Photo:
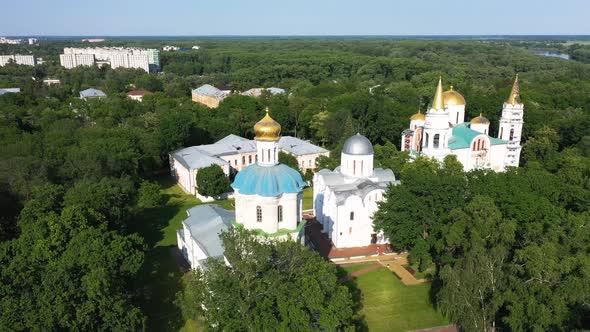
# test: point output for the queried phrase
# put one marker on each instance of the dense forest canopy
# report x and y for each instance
(73, 171)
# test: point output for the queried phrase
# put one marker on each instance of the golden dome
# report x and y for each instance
(480, 120)
(453, 97)
(267, 129)
(418, 117)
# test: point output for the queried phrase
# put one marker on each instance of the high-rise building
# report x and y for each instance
(27, 60)
(114, 56)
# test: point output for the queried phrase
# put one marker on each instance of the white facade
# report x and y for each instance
(442, 132)
(115, 57)
(27, 60)
(345, 199)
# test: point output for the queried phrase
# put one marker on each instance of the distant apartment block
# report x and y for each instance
(209, 95)
(16, 41)
(113, 56)
(75, 60)
(27, 60)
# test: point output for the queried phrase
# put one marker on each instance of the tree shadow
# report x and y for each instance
(160, 276)
(359, 321)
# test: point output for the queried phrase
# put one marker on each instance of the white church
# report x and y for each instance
(346, 198)
(268, 200)
(442, 131)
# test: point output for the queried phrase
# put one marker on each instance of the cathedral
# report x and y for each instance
(268, 200)
(346, 198)
(443, 131)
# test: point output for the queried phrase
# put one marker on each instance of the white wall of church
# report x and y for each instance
(247, 215)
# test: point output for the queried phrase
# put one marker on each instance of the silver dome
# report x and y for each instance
(358, 145)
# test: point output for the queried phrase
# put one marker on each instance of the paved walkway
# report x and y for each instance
(393, 263)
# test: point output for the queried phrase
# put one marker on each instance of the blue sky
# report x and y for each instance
(295, 17)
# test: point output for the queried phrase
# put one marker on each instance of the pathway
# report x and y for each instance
(394, 264)
(359, 272)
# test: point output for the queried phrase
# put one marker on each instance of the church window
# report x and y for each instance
(235, 162)
(457, 120)
(309, 163)
(351, 215)
(349, 230)
(262, 155)
(268, 155)
(501, 132)
(474, 146)
(427, 140)
(256, 158)
(511, 134)
(280, 213)
(354, 167)
(361, 167)
(243, 160)
(258, 214)
(250, 159)
(435, 141)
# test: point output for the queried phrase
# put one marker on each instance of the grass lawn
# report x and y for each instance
(308, 198)
(160, 276)
(389, 305)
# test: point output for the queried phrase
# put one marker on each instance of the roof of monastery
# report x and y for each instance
(345, 186)
(268, 181)
(256, 92)
(358, 145)
(205, 223)
(463, 136)
(9, 90)
(92, 93)
(209, 90)
(206, 155)
(298, 146)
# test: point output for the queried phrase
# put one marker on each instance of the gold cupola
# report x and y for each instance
(418, 117)
(480, 120)
(514, 97)
(452, 97)
(267, 129)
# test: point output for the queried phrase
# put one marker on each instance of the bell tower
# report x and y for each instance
(511, 125)
(437, 128)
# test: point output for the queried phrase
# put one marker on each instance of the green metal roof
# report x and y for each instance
(463, 136)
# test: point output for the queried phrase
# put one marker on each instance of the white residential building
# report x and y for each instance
(27, 60)
(114, 56)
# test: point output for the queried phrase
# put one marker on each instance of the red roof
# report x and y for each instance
(138, 92)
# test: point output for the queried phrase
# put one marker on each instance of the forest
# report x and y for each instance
(74, 172)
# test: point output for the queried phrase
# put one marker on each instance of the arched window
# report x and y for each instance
(511, 134)
(280, 213)
(262, 155)
(352, 215)
(502, 133)
(361, 167)
(243, 160)
(268, 154)
(249, 159)
(258, 214)
(427, 141)
(473, 148)
(354, 167)
(256, 158)
(457, 120)
(436, 140)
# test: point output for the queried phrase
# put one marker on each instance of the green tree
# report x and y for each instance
(289, 160)
(295, 288)
(211, 181)
(150, 195)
